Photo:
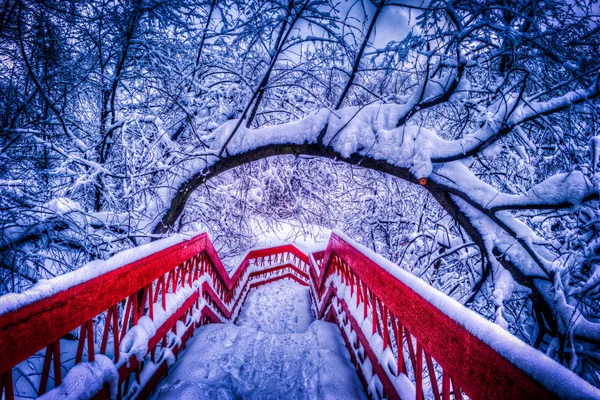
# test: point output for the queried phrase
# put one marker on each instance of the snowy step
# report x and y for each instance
(276, 350)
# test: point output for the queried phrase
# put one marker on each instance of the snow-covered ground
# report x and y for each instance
(276, 351)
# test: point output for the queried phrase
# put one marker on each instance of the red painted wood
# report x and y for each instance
(67, 310)
(227, 313)
(76, 306)
(445, 386)
(52, 354)
(419, 372)
(477, 368)
(378, 368)
(265, 271)
(432, 377)
(7, 386)
(161, 332)
(284, 276)
(401, 367)
(472, 364)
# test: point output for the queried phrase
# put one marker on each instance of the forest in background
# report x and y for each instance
(457, 138)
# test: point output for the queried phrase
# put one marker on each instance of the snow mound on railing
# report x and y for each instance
(48, 287)
(536, 364)
(86, 379)
(136, 341)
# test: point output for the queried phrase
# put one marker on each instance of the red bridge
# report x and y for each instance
(396, 328)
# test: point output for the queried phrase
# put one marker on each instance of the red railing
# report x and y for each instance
(405, 345)
(399, 335)
(176, 289)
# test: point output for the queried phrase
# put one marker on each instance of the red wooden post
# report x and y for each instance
(148, 295)
(411, 349)
(457, 391)
(184, 269)
(91, 341)
(125, 325)
(135, 309)
(445, 385)
(52, 352)
(7, 385)
(432, 376)
(419, 372)
(86, 332)
(366, 300)
(397, 328)
(105, 331)
(386, 332)
(374, 319)
(80, 343)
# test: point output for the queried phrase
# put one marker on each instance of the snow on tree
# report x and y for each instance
(462, 144)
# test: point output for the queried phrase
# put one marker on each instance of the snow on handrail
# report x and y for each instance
(144, 302)
(408, 340)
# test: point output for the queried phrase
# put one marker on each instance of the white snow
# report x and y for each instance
(135, 341)
(47, 287)
(61, 206)
(536, 364)
(275, 351)
(307, 238)
(86, 379)
(262, 311)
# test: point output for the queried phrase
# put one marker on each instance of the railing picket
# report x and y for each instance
(386, 332)
(176, 272)
(125, 323)
(135, 309)
(411, 349)
(359, 295)
(148, 296)
(45, 370)
(52, 353)
(156, 289)
(419, 372)
(456, 390)
(81, 343)
(86, 331)
(374, 318)
(220, 297)
(397, 328)
(445, 385)
(366, 300)
(107, 323)
(432, 375)
(91, 341)
(183, 268)
(7, 385)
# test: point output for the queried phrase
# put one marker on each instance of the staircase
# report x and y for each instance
(134, 315)
(276, 350)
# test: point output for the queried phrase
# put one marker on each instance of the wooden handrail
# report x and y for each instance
(143, 283)
(401, 308)
(59, 314)
(380, 309)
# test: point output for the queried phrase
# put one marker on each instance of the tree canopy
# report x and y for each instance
(455, 137)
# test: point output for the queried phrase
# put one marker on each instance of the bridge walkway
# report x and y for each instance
(275, 350)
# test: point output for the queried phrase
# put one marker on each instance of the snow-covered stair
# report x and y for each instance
(275, 351)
